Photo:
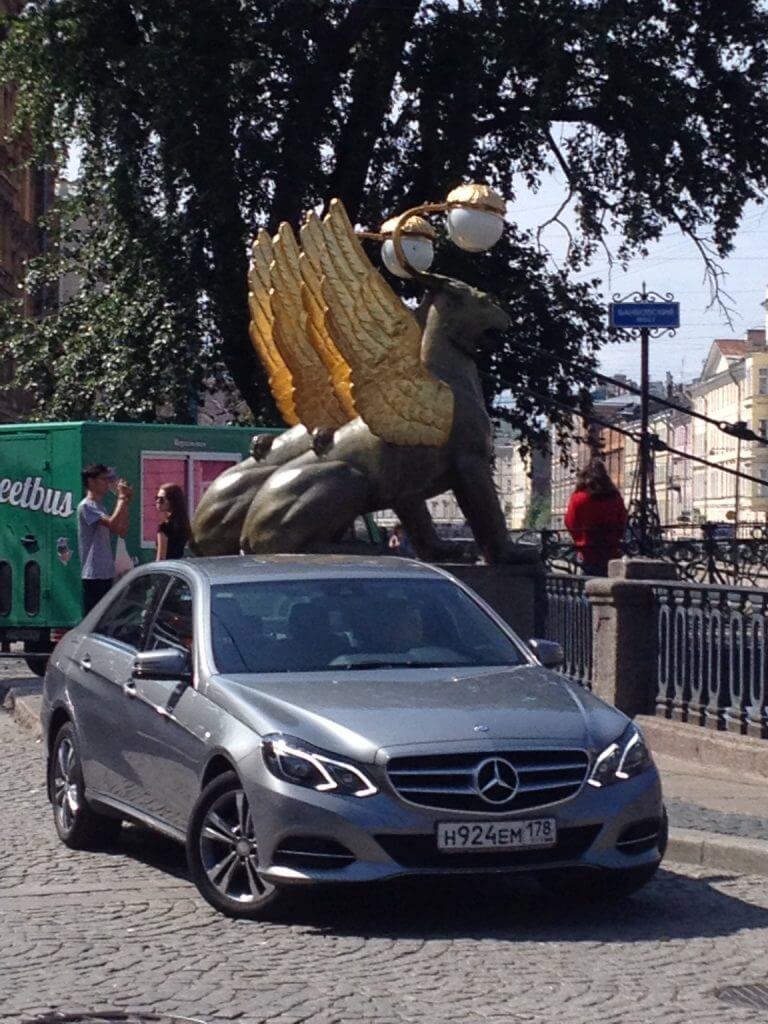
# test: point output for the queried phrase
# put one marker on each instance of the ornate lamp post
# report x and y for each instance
(474, 222)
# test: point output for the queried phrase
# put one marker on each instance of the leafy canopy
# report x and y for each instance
(199, 120)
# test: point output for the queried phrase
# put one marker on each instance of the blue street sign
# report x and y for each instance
(651, 315)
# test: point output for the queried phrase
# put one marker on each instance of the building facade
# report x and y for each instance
(732, 389)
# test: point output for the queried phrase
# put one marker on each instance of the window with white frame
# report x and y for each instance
(762, 428)
(762, 380)
(762, 489)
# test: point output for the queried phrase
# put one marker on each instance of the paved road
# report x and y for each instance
(125, 929)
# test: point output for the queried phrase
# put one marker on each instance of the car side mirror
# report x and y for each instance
(549, 652)
(164, 663)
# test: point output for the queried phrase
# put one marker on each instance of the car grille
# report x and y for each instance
(421, 851)
(447, 781)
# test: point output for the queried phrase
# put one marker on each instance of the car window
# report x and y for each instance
(129, 616)
(314, 625)
(172, 626)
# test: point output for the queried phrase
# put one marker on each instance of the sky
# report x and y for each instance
(673, 265)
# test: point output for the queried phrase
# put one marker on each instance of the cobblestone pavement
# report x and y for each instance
(683, 814)
(125, 929)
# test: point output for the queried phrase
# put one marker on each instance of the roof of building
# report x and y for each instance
(734, 347)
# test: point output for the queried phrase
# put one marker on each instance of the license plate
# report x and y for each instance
(455, 836)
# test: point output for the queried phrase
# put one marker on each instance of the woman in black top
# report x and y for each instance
(173, 531)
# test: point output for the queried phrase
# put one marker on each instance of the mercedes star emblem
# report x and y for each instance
(496, 780)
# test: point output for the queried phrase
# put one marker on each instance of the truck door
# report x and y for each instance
(28, 507)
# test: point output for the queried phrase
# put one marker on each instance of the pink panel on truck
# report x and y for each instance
(156, 471)
(204, 472)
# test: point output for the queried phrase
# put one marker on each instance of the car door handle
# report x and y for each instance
(129, 689)
(85, 663)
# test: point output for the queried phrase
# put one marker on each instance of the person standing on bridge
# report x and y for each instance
(596, 519)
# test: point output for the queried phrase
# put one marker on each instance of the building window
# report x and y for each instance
(762, 489)
(762, 428)
(762, 380)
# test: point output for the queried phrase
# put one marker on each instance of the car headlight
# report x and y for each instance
(624, 759)
(295, 761)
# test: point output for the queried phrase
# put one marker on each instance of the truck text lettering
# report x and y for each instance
(30, 493)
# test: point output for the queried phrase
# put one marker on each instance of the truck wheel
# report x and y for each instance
(36, 654)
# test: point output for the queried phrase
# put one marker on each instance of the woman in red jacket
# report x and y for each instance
(596, 519)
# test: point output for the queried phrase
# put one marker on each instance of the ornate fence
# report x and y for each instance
(710, 553)
(712, 656)
(569, 622)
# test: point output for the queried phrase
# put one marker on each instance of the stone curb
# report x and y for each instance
(693, 743)
(26, 712)
(713, 850)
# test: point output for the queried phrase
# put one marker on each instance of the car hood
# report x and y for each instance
(360, 713)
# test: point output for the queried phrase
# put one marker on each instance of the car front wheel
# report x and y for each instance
(77, 824)
(222, 853)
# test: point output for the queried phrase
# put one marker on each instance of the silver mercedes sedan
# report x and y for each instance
(299, 720)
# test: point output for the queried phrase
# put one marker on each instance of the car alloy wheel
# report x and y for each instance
(77, 824)
(66, 789)
(222, 851)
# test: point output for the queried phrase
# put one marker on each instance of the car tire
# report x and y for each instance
(595, 885)
(222, 853)
(78, 826)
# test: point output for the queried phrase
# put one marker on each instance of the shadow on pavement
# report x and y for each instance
(672, 906)
(150, 848)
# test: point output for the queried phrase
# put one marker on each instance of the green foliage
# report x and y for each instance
(538, 513)
(199, 120)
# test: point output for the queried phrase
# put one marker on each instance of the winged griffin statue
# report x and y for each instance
(384, 404)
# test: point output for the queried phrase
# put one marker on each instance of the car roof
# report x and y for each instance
(241, 568)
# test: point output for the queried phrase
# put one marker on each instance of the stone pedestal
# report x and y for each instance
(625, 633)
(515, 592)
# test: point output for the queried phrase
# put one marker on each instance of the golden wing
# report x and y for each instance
(316, 401)
(378, 336)
(278, 374)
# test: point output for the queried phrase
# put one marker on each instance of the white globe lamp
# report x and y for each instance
(416, 238)
(475, 219)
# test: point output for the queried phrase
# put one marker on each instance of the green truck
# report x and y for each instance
(40, 487)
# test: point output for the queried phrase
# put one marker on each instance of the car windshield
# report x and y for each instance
(315, 625)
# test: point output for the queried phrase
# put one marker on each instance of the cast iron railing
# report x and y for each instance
(710, 553)
(712, 656)
(569, 622)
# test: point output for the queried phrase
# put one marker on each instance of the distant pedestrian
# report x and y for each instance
(95, 528)
(399, 544)
(174, 532)
(596, 519)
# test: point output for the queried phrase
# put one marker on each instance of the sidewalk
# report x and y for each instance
(718, 811)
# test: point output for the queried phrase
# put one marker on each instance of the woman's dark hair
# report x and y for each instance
(177, 501)
(594, 479)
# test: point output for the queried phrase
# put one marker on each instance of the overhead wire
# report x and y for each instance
(737, 430)
(656, 443)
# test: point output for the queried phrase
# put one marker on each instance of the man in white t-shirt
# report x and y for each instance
(94, 531)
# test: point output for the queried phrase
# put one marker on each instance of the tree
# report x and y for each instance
(200, 119)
